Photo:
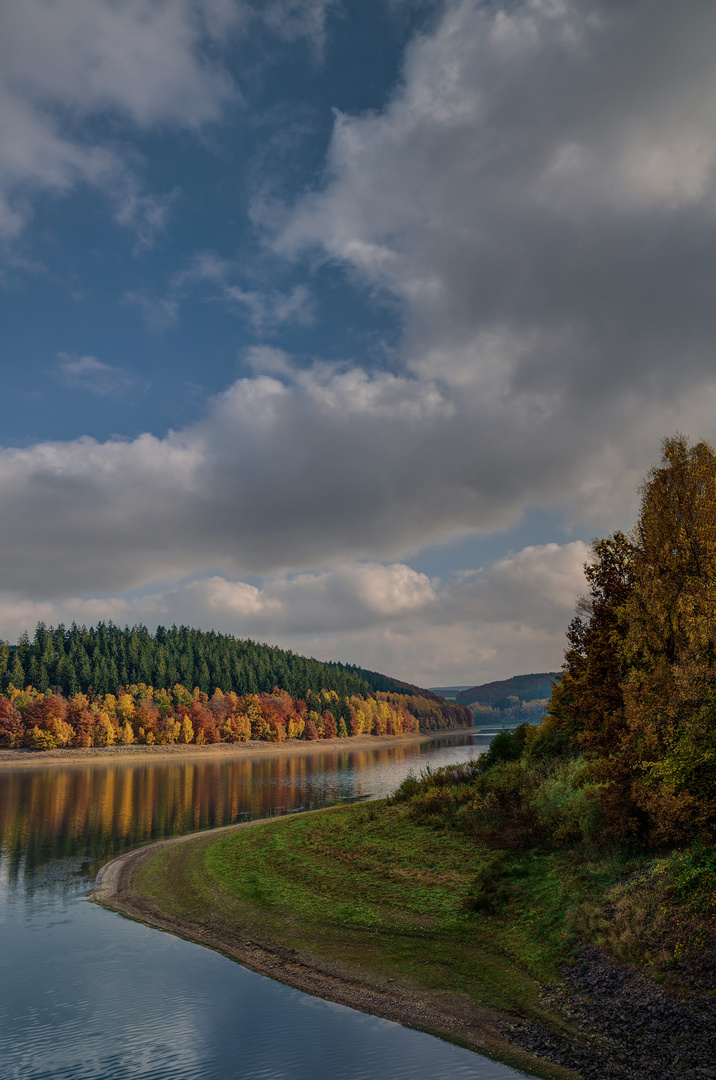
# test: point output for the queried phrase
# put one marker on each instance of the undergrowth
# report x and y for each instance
(654, 908)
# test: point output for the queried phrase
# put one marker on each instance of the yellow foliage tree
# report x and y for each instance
(126, 734)
(105, 733)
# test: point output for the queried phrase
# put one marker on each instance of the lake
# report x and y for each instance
(89, 994)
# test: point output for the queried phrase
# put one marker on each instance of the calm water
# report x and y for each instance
(88, 994)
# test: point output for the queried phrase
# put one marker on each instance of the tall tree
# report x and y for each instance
(670, 639)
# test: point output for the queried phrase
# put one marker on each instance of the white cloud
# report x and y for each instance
(268, 309)
(537, 198)
(292, 19)
(136, 57)
(64, 62)
(142, 63)
(540, 196)
(204, 266)
(89, 373)
(308, 469)
(147, 215)
(388, 618)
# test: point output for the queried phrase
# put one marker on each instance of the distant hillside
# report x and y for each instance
(523, 687)
(449, 692)
(105, 658)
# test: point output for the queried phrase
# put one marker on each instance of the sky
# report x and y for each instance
(346, 324)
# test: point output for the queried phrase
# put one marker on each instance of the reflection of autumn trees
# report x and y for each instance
(98, 811)
(139, 713)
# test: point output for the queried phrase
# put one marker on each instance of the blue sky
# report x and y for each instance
(346, 325)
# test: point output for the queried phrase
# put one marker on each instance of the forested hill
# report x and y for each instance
(524, 687)
(103, 658)
(107, 686)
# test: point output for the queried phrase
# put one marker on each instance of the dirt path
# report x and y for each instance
(454, 1017)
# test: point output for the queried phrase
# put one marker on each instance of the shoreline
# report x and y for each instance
(139, 753)
(455, 1018)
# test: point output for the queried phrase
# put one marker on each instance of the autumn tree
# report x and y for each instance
(638, 691)
(12, 728)
(586, 710)
(670, 641)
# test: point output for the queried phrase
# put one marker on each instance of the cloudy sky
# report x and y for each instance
(346, 324)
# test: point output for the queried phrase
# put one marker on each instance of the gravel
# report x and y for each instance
(630, 1028)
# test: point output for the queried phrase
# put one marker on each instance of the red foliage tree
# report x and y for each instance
(330, 727)
(204, 723)
(148, 718)
(12, 728)
(45, 713)
(82, 722)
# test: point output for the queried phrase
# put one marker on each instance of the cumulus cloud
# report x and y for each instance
(540, 196)
(289, 471)
(539, 205)
(277, 475)
(389, 618)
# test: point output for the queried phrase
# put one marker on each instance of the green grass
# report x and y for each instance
(373, 889)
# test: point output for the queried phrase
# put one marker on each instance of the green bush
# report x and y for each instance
(506, 746)
(564, 803)
(549, 745)
(692, 875)
(490, 887)
(407, 789)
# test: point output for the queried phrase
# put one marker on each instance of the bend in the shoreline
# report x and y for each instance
(451, 1017)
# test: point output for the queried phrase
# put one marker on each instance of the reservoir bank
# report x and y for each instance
(89, 994)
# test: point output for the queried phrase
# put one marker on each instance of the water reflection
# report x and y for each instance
(84, 815)
(88, 995)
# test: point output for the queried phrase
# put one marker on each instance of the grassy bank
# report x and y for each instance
(372, 893)
(369, 887)
(456, 905)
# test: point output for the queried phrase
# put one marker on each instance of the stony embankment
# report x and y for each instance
(633, 1029)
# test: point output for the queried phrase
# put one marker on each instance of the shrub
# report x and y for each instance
(490, 886)
(506, 746)
(409, 787)
(565, 804)
(692, 875)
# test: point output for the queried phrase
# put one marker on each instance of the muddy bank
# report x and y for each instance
(103, 755)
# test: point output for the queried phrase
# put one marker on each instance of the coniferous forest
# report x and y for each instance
(106, 685)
